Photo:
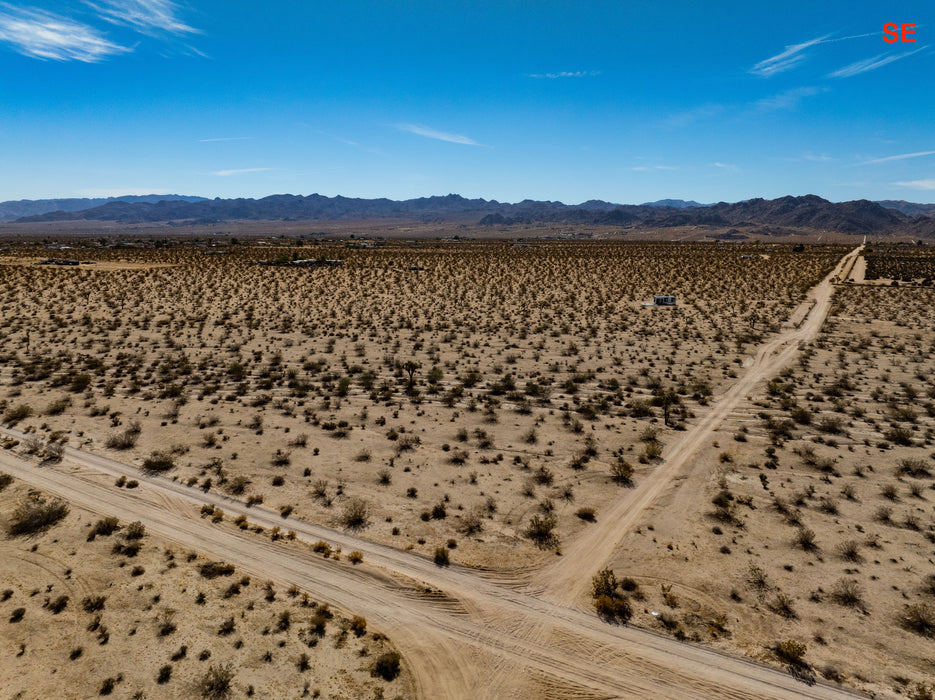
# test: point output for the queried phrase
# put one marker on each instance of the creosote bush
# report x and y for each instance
(159, 462)
(386, 666)
(35, 514)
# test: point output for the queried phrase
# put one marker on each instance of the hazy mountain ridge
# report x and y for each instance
(16, 209)
(809, 211)
(910, 208)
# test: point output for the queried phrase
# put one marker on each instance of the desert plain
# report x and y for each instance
(466, 468)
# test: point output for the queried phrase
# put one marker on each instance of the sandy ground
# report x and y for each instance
(70, 653)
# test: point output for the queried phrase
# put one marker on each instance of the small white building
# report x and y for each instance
(664, 300)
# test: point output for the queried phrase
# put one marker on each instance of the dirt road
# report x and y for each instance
(463, 634)
(569, 577)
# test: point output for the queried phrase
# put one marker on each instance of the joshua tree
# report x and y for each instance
(410, 367)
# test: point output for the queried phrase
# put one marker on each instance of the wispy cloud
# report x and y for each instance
(901, 156)
(727, 167)
(817, 157)
(645, 168)
(145, 16)
(241, 171)
(785, 100)
(917, 184)
(435, 134)
(707, 111)
(226, 138)
(567, 74)
(869, 64)
(788, 59)
(44, 35)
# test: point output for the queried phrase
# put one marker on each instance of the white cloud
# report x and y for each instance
(145, 16)
(226, 138)
(785, 100)
(726, 167)
(241, 171)
(869, 64)
(44, 35)
(434, 134)
(902, 156)
(567, 74)
(917, 184)
(788, 59)
(645, 168)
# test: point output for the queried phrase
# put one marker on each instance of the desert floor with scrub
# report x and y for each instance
(483, 404)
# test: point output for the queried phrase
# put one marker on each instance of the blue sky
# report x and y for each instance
(623, 101)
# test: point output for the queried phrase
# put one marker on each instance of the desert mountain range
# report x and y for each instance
(809, 211)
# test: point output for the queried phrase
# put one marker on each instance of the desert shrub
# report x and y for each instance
(613, 609)
(358, 626)
(790, 651)
(216, 684)
(35, 515)
(386, 666)
(608, 602)
(79, 382)
(915, 467)
(53, 451)
(621, 472)
(604, 583)
(756, 578)
(540, 530)
(850, 551)
(782, 605)
(471, 524)
(103, 527)
(237, 485)
(94, 603)
(899, 435)
(355, 514)
(847, 592)
(58, 407)
(586, 513)
(136, 530)
(213, 569)
(164, 675)
(123, 440)
(57, 605)
(107, 687)
(919, 618)
(17, 614)
(355, 557)
(16, 414)
(227, 627)
(441, 557)
(165, 623)
(805, 538)
(158, 462)
(5, 480)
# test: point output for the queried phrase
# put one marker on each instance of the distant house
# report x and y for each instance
(663, 300)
